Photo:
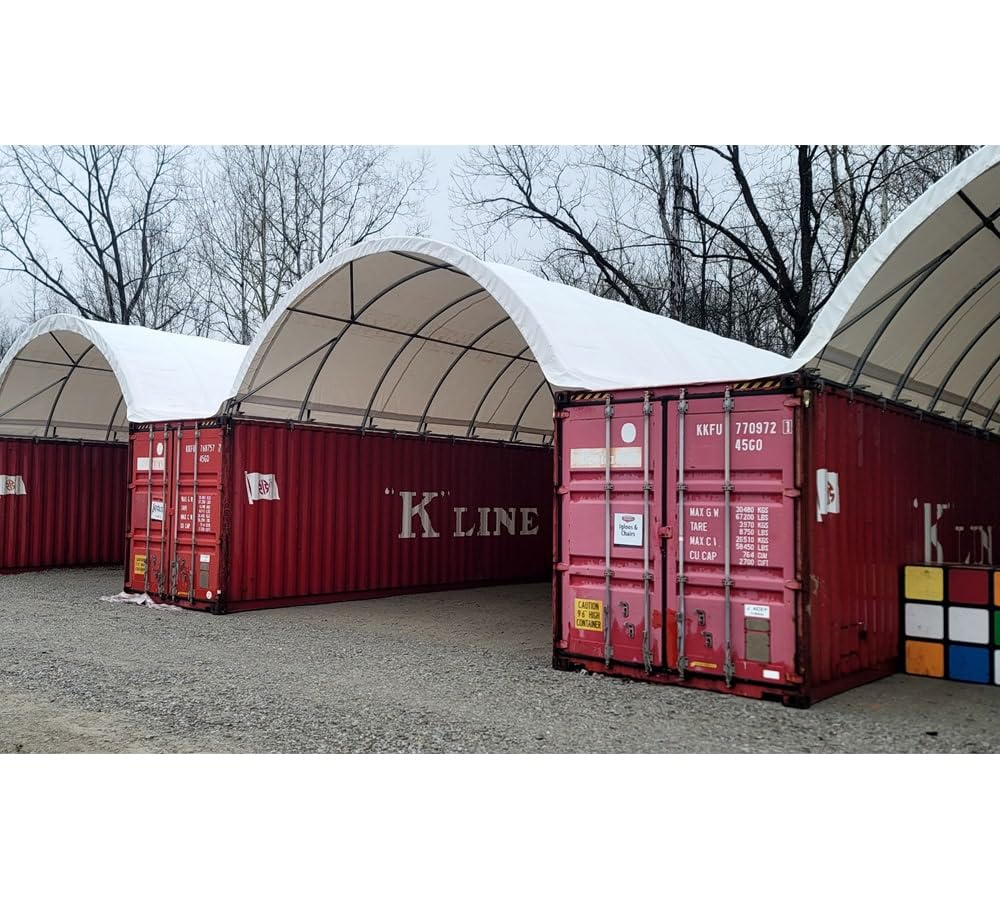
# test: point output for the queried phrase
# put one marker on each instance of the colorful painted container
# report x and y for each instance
(951, 625)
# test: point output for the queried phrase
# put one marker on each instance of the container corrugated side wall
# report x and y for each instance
(895, 490)
(62, 503)
(367, 514)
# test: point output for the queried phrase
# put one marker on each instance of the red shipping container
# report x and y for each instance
(61, 503)
(234, 514)
(751, 540)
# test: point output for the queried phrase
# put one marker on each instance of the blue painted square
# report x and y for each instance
(969, 664)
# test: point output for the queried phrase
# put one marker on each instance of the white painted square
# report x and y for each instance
(996, 666)
(924, 621)
(971, 626)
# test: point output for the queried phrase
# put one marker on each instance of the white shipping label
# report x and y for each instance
(205, 557)
(628, 530)
(772, 674)
(142, 464)
(12, 485)
(595, 457)
(756, 611)
(156, 510)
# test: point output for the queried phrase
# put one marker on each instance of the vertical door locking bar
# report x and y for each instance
(161, 571)
(174, 536)
(149, 511)
(194, 506)
(727, 581)
(609, 411)
(647, 410)
(682, 406)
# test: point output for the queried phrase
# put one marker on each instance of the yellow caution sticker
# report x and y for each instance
(139, 565)
(589, 615)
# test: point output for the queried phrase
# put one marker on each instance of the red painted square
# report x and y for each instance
(971, 586)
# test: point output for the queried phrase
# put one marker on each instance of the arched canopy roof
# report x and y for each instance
(409, 334)
(917, 318)
(72, 378)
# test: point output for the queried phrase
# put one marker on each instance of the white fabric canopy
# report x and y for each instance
(72, 378)
(917, 318)
(410, 334)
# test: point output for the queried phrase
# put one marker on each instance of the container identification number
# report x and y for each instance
(756, 427)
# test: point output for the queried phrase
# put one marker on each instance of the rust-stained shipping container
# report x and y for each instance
(62, 503)
(749, 538)
(233, 514)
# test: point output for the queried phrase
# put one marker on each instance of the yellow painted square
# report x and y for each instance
(996, 588)
(925, 658)
(923, 583)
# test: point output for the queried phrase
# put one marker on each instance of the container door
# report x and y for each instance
(197, 514)
(732, 495)
(610, 561)
(149, 472)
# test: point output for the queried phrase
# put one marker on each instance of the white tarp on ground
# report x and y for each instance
(69, 377)
(917, 318)
(410, 334)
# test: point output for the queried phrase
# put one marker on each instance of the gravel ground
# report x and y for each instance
(464, 671)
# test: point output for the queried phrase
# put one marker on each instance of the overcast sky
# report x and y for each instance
(437, 207)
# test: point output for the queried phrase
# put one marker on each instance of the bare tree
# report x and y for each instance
(749, 242)
(97, 229)
(270, 214)
(8, 334)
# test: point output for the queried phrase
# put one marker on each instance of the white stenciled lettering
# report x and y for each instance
(506, 519)
(529, 520)
(459, 530)
(410, 512)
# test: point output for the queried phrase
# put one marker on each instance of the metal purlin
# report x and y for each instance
(474, 421)
(954, 368)
(727, 581)
(986, 223)
(975, 390)
(330, 345)
(114, 415)
(543, 383)
(415, 336)
(647, 575)
(905, 377)
(930, 264)
(993, 409)
(451, 368)
(682, 406)
(348, 322)
(874, 340)
(62, 388)
(609, 411)
(355, 315)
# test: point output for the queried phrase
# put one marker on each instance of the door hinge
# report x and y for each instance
(791, 492)
(665, 531)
